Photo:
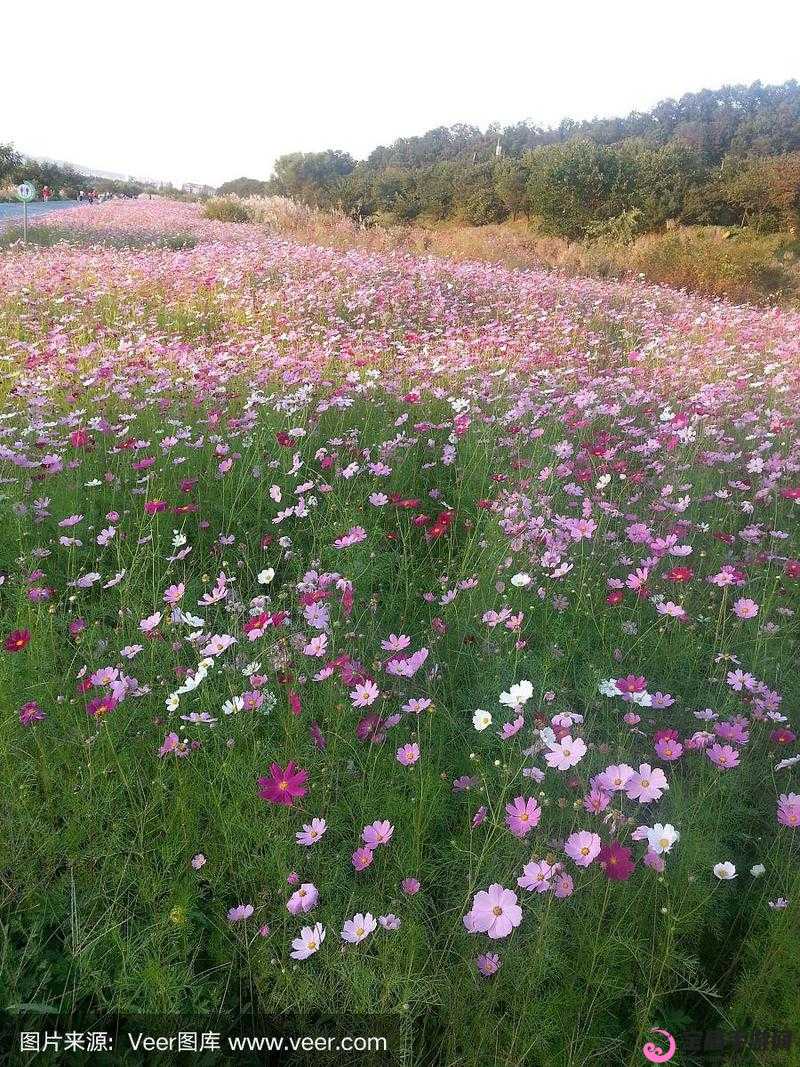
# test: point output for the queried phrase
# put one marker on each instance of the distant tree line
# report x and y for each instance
(15, 168)
(730, 156)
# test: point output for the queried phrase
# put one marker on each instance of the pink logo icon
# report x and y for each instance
(654, 1053)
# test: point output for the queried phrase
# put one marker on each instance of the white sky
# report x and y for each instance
(202, 91)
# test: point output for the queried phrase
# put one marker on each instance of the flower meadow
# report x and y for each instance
(396, 636)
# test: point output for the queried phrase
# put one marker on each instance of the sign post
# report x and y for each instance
(26, 191)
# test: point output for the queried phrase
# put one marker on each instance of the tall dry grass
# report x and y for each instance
(741, 265)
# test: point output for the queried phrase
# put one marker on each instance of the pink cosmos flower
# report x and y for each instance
(198, 861)
(632, 683)
(408, 754)
(389, 922)
(377, 833)
(789, 810)
(354, 536)
(358, 928)
(17, 640)
(509, 729)
(174, 594)
(725, 756)
(523, 814)
(410, 886)
(743, 608)
(596, 801)
(582, 847)
(303, 899)
(537, 876)
(495, 911)
(317, 646)
(565, 753)
(488, 963)
(615, 777)
(395, 643)
(311, 832)
(364, 694)
(668, 749)
(309, 941)
(284, 784)
(150, 623)
(646, 784)
(31, 712)
(563, 886)
(240, 913)
(362, 858)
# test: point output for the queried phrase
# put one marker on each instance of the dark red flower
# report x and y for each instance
(617, 861)
(17, 640)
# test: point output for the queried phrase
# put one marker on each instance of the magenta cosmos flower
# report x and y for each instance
(495, 911)
(284, 785)
(582, 847)
(523, 814)
(617, 861)
(30, 713)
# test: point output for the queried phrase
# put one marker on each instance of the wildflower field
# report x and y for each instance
(381, 634)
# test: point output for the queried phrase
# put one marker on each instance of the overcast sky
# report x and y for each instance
(206, 92)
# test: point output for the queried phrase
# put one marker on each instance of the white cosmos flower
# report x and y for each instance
(608, 687)
(758, 870)
(725, 871)
(481, 720)
(519, 581)
(662, 838)
(518, 695)
(266, 576)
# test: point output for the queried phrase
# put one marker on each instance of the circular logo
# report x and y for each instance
(654, 1053)
(26, 191)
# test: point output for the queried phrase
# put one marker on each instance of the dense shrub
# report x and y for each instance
(226, 209)
(726, 157)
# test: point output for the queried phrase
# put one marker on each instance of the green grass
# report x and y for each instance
(99, 906)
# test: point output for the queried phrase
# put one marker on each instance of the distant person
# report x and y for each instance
(81, 196)
(46, 194)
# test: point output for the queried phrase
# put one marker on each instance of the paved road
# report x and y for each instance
(11, 214)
